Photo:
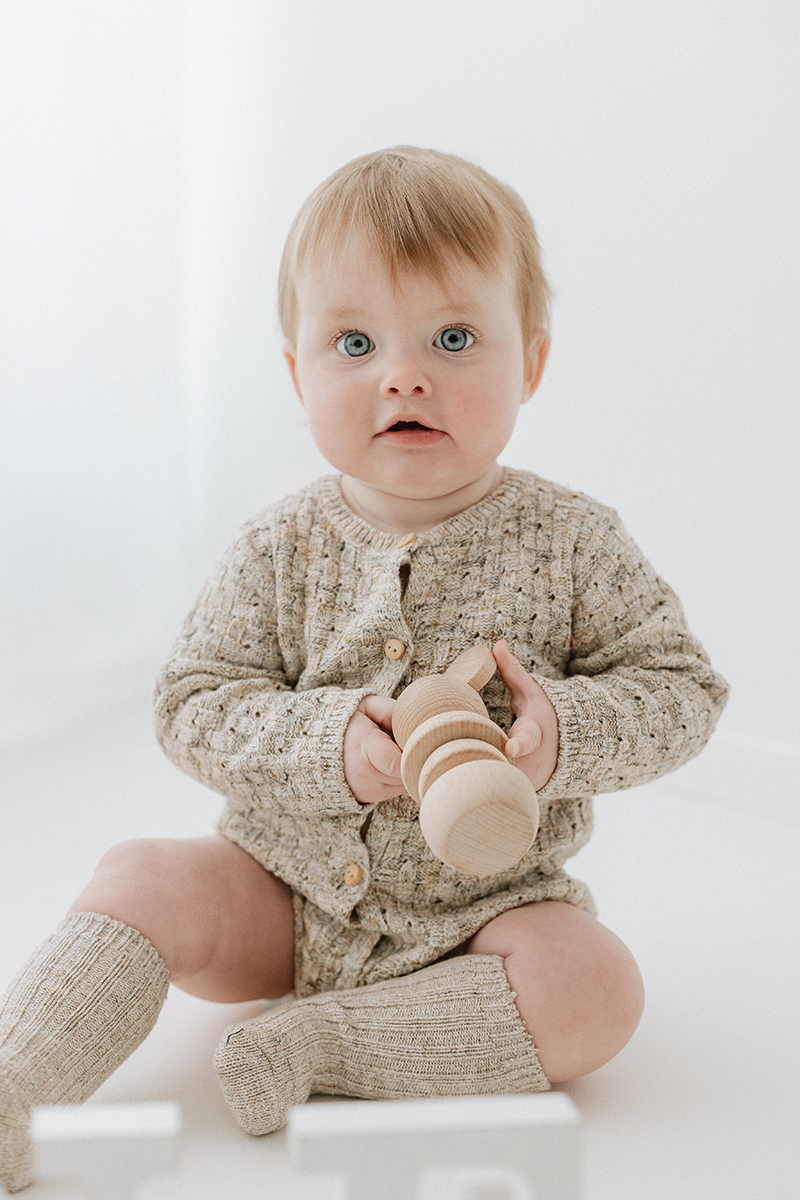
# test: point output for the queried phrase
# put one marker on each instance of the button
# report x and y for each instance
(394, 648)
(407, 540)
(352, 874)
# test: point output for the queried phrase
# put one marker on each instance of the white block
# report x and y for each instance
(529, 1145)
(474, 1183)
(109, 1148)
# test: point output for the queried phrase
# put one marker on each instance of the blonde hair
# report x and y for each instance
(419, 208)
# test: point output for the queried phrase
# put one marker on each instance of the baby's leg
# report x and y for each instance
(577, 986)
(544, 993)
(92, 992)
(450, 1029)
(221, 923)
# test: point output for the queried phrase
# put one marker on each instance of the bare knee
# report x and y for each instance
(127, 876)
(222, 923)
(577, 986)
(151, 884)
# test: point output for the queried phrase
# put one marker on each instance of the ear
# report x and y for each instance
(290, 354)
(535, 359)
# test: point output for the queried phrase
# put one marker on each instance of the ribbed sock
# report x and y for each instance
(87, 998)
(451, 1029)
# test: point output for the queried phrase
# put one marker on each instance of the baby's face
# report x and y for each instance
(411, 388)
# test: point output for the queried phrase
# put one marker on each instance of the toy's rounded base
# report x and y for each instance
(480, 818)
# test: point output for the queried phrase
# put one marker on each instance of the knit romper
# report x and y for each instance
(311, 609)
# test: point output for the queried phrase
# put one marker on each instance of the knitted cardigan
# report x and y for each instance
(291, 632)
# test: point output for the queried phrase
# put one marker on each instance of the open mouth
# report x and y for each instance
(401, 425)
(411, 432)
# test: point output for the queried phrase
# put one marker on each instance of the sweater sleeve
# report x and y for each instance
(640, 697)
(229, 712)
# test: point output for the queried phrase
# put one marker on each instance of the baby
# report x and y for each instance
(415, 313)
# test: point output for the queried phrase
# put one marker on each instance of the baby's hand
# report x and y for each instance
(371, 758)
(533, 738)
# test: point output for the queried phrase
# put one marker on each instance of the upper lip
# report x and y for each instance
(407, 419)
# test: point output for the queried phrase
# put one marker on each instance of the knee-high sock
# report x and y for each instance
(88, 997)
(451, 1029)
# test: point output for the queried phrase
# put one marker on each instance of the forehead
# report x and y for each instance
(358, 276)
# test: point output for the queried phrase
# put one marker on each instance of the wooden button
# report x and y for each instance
(352, 874)
(394, 648)
(407, 540)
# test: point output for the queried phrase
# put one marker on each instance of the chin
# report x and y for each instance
(415, 490)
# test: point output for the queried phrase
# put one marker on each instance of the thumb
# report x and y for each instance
(524, 736)
(383, 753)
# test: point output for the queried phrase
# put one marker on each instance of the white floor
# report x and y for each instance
(705, 1101)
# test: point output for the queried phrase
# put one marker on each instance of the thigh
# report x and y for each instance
(578, 988)
(222, 923)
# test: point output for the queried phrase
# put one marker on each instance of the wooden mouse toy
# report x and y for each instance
(478, 813)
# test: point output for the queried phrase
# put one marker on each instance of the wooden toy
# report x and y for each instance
(478, 813)
(110, 1148)
(520, 1147)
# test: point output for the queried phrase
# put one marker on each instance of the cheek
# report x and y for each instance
(323, 422)
(492, 403)
(334, 415)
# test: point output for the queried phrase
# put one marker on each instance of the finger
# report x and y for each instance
(382, 753)
(525, 736)
(379, 710)
(513, 674)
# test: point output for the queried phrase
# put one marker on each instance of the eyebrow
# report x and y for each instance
(344, 314)
(454, 309)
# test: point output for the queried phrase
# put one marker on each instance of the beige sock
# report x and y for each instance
(451, 1029)
(85, 1001)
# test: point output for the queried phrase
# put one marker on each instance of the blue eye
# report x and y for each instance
(454, 338)
(354, 344)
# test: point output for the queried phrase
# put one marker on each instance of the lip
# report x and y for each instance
(410, 418)
(412, 437)
(413, 431)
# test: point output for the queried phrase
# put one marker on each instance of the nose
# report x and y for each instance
(404, 377)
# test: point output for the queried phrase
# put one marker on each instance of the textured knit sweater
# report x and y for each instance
(307, 613)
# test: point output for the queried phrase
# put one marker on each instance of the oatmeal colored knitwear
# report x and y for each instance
(291, 632)
(451, 1029)
(87, 998)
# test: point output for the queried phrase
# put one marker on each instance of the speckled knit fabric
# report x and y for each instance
(290, 633)
(452, 1029)
(85, 1001)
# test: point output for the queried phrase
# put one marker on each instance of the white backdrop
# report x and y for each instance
(153, 155)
